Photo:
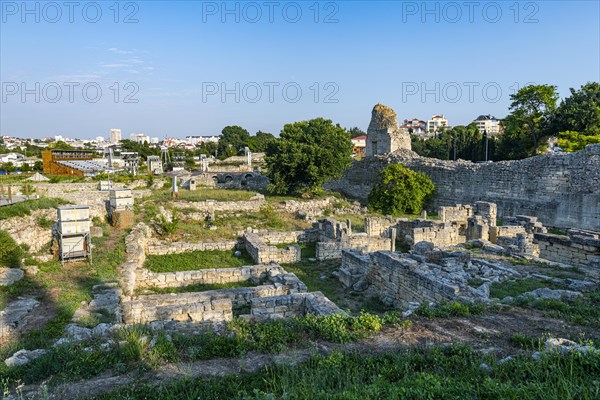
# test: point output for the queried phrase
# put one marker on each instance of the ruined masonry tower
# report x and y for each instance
(384, 135)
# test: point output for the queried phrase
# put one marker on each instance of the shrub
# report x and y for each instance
(400, 191)
(10, 252)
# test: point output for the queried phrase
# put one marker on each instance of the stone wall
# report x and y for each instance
(148, 279)
(159, 247)
(210, 206)
(562, 190)
(25, 230)
(580, 248)
(333, 249)
(292, 305)
(262, 253)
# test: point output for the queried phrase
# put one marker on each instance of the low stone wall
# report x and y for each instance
(580, 248)
(147, 279)
(276, 237)
(292, 305)
(210, 206)
(510, 231)
(264, 254)
(136, 244)
(333, 249)
(158, 247)
(25, 230)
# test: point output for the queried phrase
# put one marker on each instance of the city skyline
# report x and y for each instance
(197, 68)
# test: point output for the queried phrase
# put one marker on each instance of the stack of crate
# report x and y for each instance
(73, 231)
(120, 209)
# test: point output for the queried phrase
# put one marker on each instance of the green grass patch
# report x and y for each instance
(450, 373)
(514, 288)
(583, 310)
(10, 252)
(25, 207)
(451, 309)
(199, 287)
(195, 260)
(203, 194)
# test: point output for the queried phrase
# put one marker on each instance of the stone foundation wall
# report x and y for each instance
(292, 305)
(25, 230)
(580, 248)
(399, 282)
(149, 279)
(563, 190)
(264, 254)
(158, 247)
(210, 206)
(333, 249)
(507, 231)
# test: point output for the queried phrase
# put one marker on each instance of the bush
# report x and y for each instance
(10, 252)
(400, 191)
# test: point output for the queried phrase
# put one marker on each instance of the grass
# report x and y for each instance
(501, 290)
(64, 288)
(199, 287)
(451, 373)
(195, 260)
(131, 349)
(203, 194)
(451, 309)
(583, 310)
(229, 226)
(25, 207)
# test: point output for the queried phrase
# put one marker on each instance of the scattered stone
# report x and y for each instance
(32, 270)
(565, 346)
(77, 334)
(23, 357)
(102, 330)
(423, 248)
(483, 367)
(493, 248)
(551, 294)
(537, 356)
(508, 299)
(155, 339)
(360, 286)
(237, 253)
(8, 276)
(15, 315)
(323, 277)
(312, 259)
(505, 360)
(212, 228)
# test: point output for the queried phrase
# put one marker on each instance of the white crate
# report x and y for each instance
(75, 244)
(124, 203)
(120, 193)
(74, 227)
(73, 213)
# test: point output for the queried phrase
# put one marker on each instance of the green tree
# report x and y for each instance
(400, 191)
(531, 107)
(233, 140)
(356, 132)
(259, 142)
(579, 112)
(306, 155)
(38, 166)
(574, 141)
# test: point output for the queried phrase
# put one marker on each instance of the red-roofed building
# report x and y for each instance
(360, 146)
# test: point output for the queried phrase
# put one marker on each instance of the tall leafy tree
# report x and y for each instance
(306, 155)
(579, 112)
(356, 132)
(233, 140)
(531, 107)
(258, 143)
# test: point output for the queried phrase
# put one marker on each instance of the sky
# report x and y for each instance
(179, 68)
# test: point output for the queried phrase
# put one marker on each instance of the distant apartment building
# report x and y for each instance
(139, 138)
(416, 127)
(201, 139)
(115, 135)
(488, 123)
(359, 148)
(437, 123)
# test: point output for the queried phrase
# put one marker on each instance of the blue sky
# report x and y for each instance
(175, 58)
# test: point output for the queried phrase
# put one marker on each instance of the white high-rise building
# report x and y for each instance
(115, 135)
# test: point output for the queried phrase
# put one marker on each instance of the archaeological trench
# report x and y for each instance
(502, 210)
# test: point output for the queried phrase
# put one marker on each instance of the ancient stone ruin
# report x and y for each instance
(384, 135)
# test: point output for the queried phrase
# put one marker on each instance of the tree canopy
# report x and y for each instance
(400, 191)
(307, 154)
(233, 140)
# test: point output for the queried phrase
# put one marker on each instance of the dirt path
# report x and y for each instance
(489, 333)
